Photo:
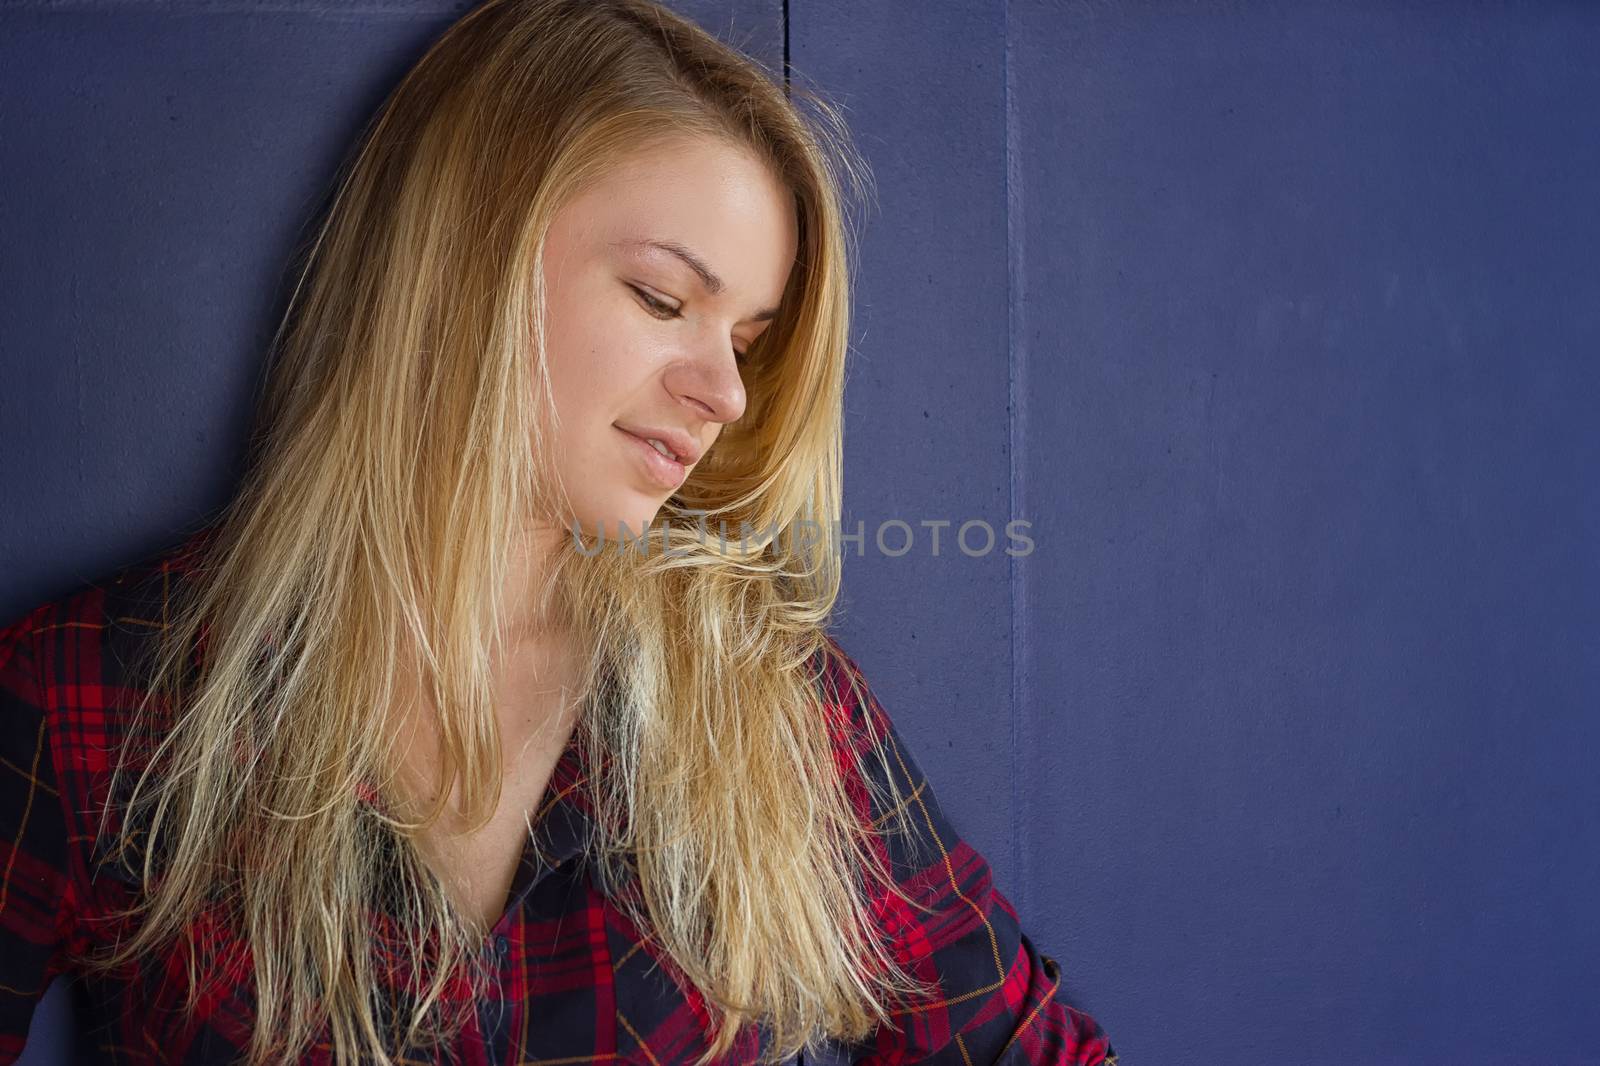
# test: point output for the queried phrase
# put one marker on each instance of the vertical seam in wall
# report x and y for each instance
(785, 19)
(78, 333)
(1016, 371)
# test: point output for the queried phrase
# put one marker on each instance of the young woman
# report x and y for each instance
(400, 758)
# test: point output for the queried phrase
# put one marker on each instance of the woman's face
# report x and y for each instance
(642, 344)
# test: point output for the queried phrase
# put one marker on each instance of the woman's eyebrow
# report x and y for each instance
(708, 277)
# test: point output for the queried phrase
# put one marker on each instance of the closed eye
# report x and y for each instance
(655, 306)
(666, 311)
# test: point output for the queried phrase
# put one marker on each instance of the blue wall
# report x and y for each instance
(1278, 325)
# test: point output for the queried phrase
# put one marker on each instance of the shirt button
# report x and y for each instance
(502, 945)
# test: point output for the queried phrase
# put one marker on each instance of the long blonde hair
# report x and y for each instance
(390, 478)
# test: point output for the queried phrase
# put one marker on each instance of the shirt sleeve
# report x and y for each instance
(998, 1000)
(36, 900)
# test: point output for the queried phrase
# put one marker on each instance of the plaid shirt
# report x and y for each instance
(577, 982)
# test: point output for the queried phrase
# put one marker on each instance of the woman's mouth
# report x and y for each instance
(663, 470)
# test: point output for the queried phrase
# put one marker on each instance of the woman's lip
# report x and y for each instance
(668, 473)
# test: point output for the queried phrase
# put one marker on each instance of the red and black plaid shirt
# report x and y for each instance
(577, 983)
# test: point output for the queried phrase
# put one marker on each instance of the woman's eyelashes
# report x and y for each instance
(653, 305)
(666, 311)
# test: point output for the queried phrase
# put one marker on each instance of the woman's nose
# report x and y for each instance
(711, 382)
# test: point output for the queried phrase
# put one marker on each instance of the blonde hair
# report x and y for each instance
(390, 478)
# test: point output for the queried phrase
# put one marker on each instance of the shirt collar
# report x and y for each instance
(562, 823)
